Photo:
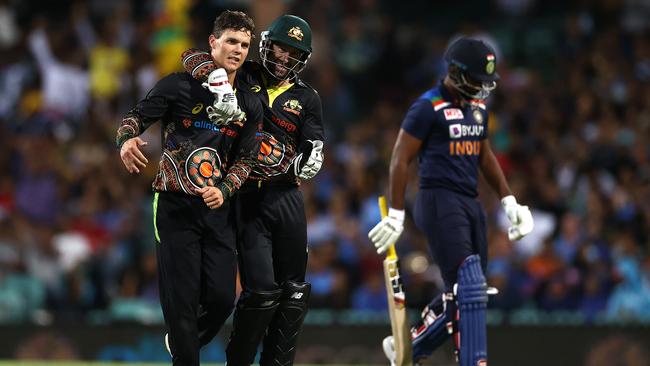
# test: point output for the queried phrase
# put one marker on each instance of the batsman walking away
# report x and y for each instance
(446, 129)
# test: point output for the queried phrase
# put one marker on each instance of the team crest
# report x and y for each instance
(478, 116)
(489, 67)
(292, 106)
(296, 32)
(256, 88)
(187, 123)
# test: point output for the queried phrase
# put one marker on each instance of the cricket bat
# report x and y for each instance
(399, 321)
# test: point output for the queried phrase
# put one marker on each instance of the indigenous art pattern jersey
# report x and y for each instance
(196, 153)
(292, 115)
(452, 136)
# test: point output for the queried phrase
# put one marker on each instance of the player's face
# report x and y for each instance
(472, 88)
(285, 58)
(230, 49)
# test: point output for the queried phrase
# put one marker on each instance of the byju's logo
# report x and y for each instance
(455, 130)
(458, 130)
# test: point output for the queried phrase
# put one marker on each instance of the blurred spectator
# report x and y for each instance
(570, 123)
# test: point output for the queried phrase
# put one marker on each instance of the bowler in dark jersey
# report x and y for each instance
(446, 128)
(269, 208)
(201, 166)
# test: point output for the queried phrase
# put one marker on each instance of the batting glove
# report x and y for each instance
(521, 219)
(388, 230)
(225, 108)
(313, 164)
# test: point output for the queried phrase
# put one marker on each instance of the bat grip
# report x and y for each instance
(383, 209)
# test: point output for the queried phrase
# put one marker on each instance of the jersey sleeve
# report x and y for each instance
(419, 119)
(198, 63)
(149, 110)
(312, 128)
(245, 148)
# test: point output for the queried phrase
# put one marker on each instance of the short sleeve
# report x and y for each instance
(419, 119)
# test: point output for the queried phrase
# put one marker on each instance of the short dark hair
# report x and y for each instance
(237, 20)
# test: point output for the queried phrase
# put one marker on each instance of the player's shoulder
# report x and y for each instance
(478, 103)
(247, 99)
(251, 66)
(434, 98)
(306, 90)
(249, 76)
(172, 83)
(173, 77)
(250, 70)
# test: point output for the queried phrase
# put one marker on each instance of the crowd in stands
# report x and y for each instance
(569, 121)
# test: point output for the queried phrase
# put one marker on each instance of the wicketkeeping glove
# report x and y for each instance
(521, 219)
(388, 230)
(225, 108)
(313, 163)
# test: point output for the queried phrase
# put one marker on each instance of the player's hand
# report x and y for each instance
(521, 219)
(132, 156)
(314, 162)
(225, 108)
(388, 230)
(212, 196)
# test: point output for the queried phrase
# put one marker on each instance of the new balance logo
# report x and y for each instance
(296, 295)
(228, 97)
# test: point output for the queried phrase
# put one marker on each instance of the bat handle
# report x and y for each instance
(383, 209)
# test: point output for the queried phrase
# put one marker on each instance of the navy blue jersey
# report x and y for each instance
(451, 140)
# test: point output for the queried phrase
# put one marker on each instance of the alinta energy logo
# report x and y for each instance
(208, 125)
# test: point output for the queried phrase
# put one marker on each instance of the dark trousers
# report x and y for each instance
(272, 235)
(455, 226)
(196, 265)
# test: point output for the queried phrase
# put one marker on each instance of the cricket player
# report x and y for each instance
(271, 222)
(446, 128)
(206, 157)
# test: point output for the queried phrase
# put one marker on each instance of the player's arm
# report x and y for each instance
(416, 127)
(405, 150)
(198, 63)
(389, 229)
(245, 148)
(149, 110)
(310, 145)
(201, 66)
(519, 216)
(492, 170)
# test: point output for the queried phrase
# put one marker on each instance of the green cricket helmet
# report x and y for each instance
(286, 30)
